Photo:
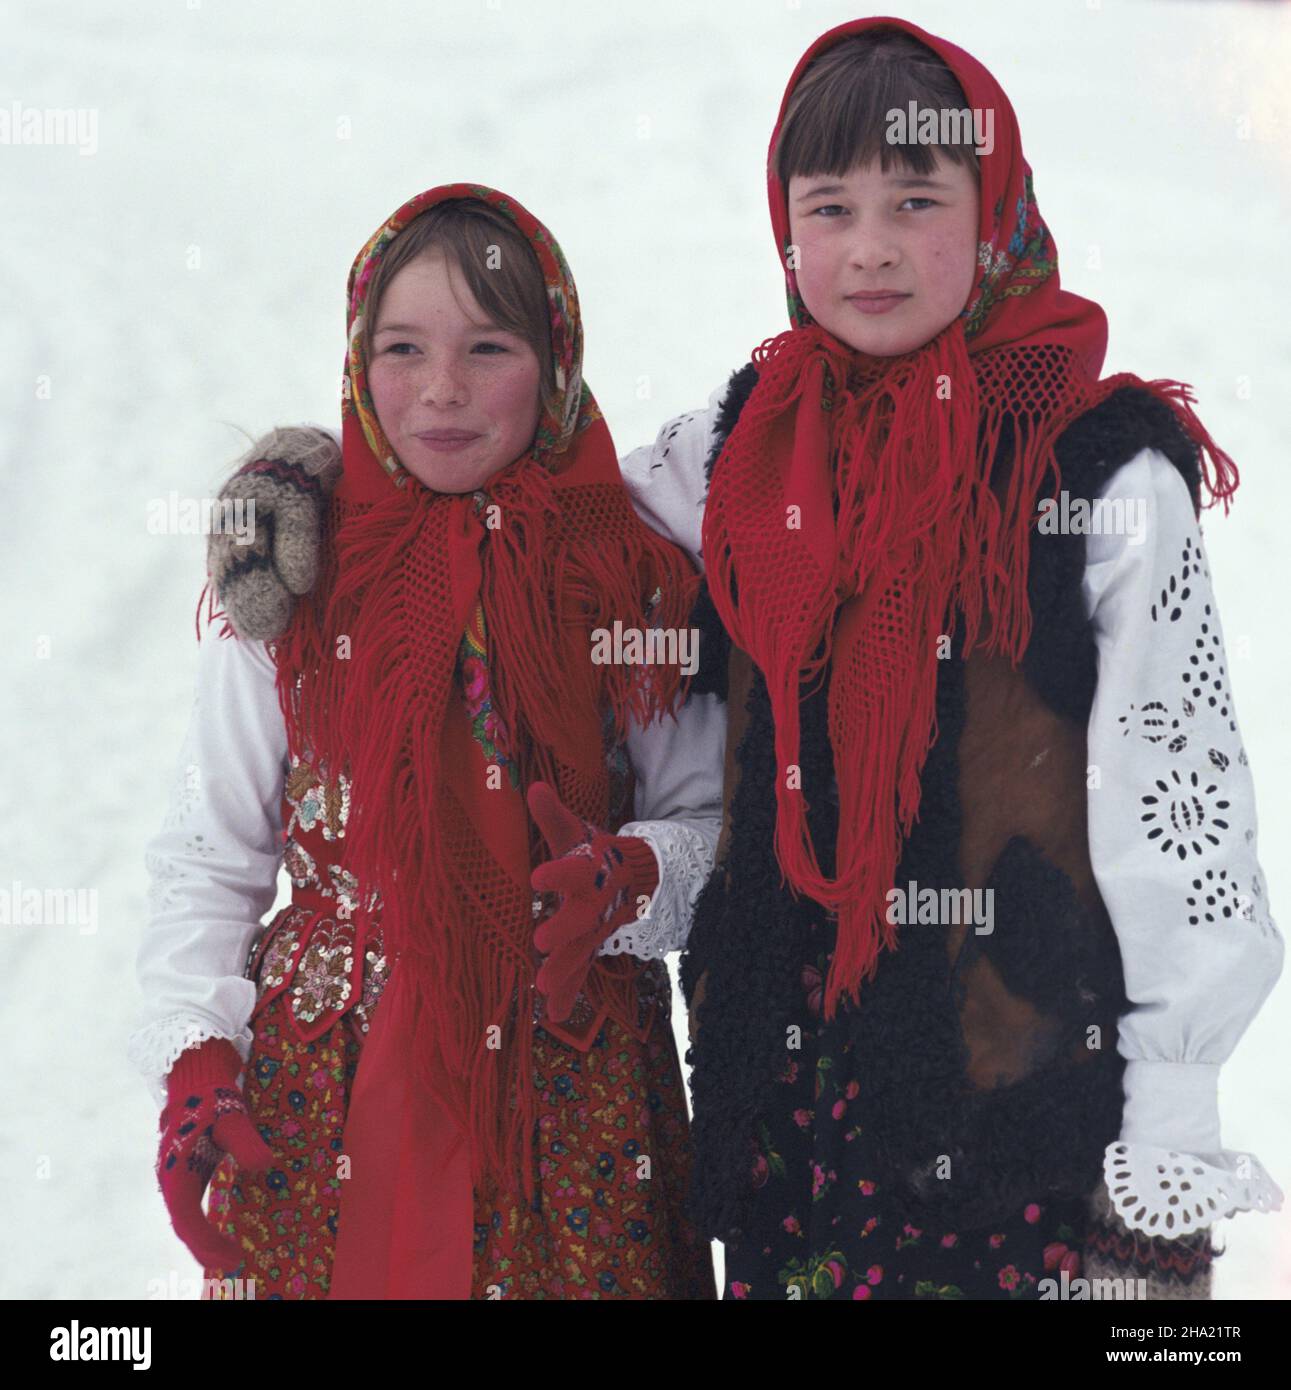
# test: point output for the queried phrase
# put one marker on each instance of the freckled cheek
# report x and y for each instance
(819, 262)
(391, 394)
(509, 401)
(948, 264)
(511, 397)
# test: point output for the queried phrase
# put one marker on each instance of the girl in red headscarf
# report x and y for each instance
(415, 1119)
(987, 914)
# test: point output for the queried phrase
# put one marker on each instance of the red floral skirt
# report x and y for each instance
(612, 1163)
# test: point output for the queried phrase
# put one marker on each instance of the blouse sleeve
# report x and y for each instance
(678, 763)
(214, 863)
(1172, 834)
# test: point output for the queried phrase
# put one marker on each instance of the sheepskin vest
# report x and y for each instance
(994, 1050)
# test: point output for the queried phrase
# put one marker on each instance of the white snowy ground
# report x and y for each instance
(186, 279)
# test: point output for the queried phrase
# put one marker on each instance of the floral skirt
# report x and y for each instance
(601, 1225)
(823, 1225)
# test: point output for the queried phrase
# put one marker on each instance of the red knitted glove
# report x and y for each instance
(205, 1117)
(599, 877)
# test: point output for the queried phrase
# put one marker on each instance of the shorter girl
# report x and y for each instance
(412, 1121)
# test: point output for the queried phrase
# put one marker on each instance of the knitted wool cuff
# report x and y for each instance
(215, 1062)
(1170, 1270)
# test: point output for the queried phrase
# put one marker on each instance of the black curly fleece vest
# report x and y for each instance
(997, 1052)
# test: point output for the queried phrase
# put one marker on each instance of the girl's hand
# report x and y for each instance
(205, 1117)
(271, 551)
(600, 878)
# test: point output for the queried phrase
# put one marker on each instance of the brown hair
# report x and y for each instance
(837, 116)
(495, 260)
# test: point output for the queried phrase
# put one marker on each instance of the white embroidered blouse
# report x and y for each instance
(1171, 824)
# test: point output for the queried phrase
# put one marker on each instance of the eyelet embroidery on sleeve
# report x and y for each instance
(1188, 810)
(686, 860)
(669, 433)
(1191, 811)
(1154, 724)
(155, 1049)
(185, 796)
(1165, 1193)
(1205, 676)
(1177, 590)
(1254, 907)
(164, 877)
(1213, 896)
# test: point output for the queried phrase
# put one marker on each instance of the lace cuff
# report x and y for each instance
(154, 1049)
(1168, 1174)
(1167, 1194)
(684, 850)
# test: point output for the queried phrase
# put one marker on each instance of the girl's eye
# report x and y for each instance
(927, 203)
(827, 208)
(407, 349)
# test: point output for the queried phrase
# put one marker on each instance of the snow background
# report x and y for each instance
(637, 131)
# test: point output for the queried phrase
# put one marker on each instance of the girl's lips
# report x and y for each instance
(447, 441)
(879, 302)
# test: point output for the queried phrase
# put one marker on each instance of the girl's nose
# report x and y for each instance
(441, 386)
(874, 248)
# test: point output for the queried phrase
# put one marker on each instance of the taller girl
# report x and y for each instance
(1028, 736)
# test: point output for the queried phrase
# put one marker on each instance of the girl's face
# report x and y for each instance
(457, 397)
(886, 260)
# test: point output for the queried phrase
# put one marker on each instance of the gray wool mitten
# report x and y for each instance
(288, 474)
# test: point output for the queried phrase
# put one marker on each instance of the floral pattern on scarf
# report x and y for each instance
(487, 724)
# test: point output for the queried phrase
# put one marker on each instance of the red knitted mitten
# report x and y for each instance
(600, 878)
(205, 1117)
